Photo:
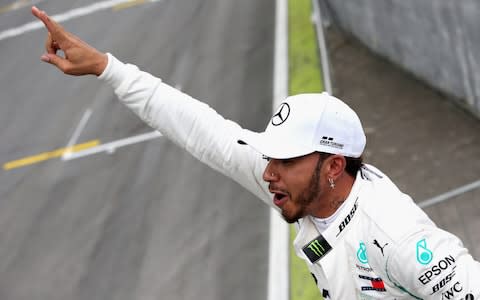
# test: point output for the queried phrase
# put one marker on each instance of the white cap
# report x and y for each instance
(307, 123)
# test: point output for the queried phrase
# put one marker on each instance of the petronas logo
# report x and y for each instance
(316, 249)
(424, 255)
(362, 253)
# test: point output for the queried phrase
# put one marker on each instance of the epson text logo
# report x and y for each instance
(436, 269)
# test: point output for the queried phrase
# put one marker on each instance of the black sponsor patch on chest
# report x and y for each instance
(317, 249)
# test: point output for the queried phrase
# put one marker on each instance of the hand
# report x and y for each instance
(80, 58)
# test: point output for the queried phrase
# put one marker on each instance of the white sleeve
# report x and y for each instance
(189, 123)
(433, 264)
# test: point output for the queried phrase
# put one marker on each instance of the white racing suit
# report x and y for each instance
(380, 246)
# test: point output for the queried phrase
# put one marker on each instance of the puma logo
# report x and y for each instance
(376, 243)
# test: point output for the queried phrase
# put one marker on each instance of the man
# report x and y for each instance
(360, 236)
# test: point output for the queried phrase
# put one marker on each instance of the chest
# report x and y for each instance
(355, 267)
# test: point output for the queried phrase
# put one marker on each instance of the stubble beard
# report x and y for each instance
(307, 196)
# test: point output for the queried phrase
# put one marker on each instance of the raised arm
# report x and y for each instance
(189, 123)
(80, 58)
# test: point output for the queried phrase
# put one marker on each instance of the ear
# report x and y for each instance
(336, 166)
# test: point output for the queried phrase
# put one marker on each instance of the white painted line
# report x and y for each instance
(280, 66)
(279, 255)
(68, 15)
(112, 146)
(450, 194)
(76, 134)
(327, 79)
(17, 5)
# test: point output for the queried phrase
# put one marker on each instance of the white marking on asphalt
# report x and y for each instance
(450, 194)
(278, 281)
(68, 15)
(112, 146)
(17, 5)
(317, 17)
(280, 67)
(279, 258)
(76, 134)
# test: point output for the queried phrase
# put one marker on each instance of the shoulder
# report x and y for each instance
(387, 208)
(408, 250)
(433, 264)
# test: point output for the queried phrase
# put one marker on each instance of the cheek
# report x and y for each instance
(294, 209)
(297, 190)
(296, 201)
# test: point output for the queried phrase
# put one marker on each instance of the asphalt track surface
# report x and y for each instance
(146, 221)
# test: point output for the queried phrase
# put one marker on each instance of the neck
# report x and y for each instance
(331, 201)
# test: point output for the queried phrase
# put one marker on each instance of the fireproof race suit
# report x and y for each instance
(380, 246)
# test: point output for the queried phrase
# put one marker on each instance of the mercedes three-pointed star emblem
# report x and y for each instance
(281, 115)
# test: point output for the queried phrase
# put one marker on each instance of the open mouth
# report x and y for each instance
(279, 199)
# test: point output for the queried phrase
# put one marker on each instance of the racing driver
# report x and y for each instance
(361, 237)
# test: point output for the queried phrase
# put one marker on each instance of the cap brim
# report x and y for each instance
(273, 146)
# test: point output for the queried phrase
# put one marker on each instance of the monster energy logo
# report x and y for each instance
(316, 249)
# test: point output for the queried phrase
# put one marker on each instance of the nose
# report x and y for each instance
(269, 173)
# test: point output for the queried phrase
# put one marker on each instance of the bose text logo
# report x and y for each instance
(348, 218)
(443, 282)
(281, 115)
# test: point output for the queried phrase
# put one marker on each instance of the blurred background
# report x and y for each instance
(411, 71)
(128, 215)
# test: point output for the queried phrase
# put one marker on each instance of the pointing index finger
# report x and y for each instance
(53, 27)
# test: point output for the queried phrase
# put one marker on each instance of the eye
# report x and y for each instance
(266, 158)
(287, 161)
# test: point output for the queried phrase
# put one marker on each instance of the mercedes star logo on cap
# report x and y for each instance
(281, 115)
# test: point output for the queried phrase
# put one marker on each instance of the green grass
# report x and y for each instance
(304, 65)
(304, 77)
(302, 285)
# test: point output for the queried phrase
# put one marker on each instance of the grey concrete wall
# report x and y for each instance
(438, 40)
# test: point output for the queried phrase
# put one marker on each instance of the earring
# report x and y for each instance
(273, 174)
(332, 183)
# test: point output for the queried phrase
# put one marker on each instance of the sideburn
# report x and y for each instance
(313, 190)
